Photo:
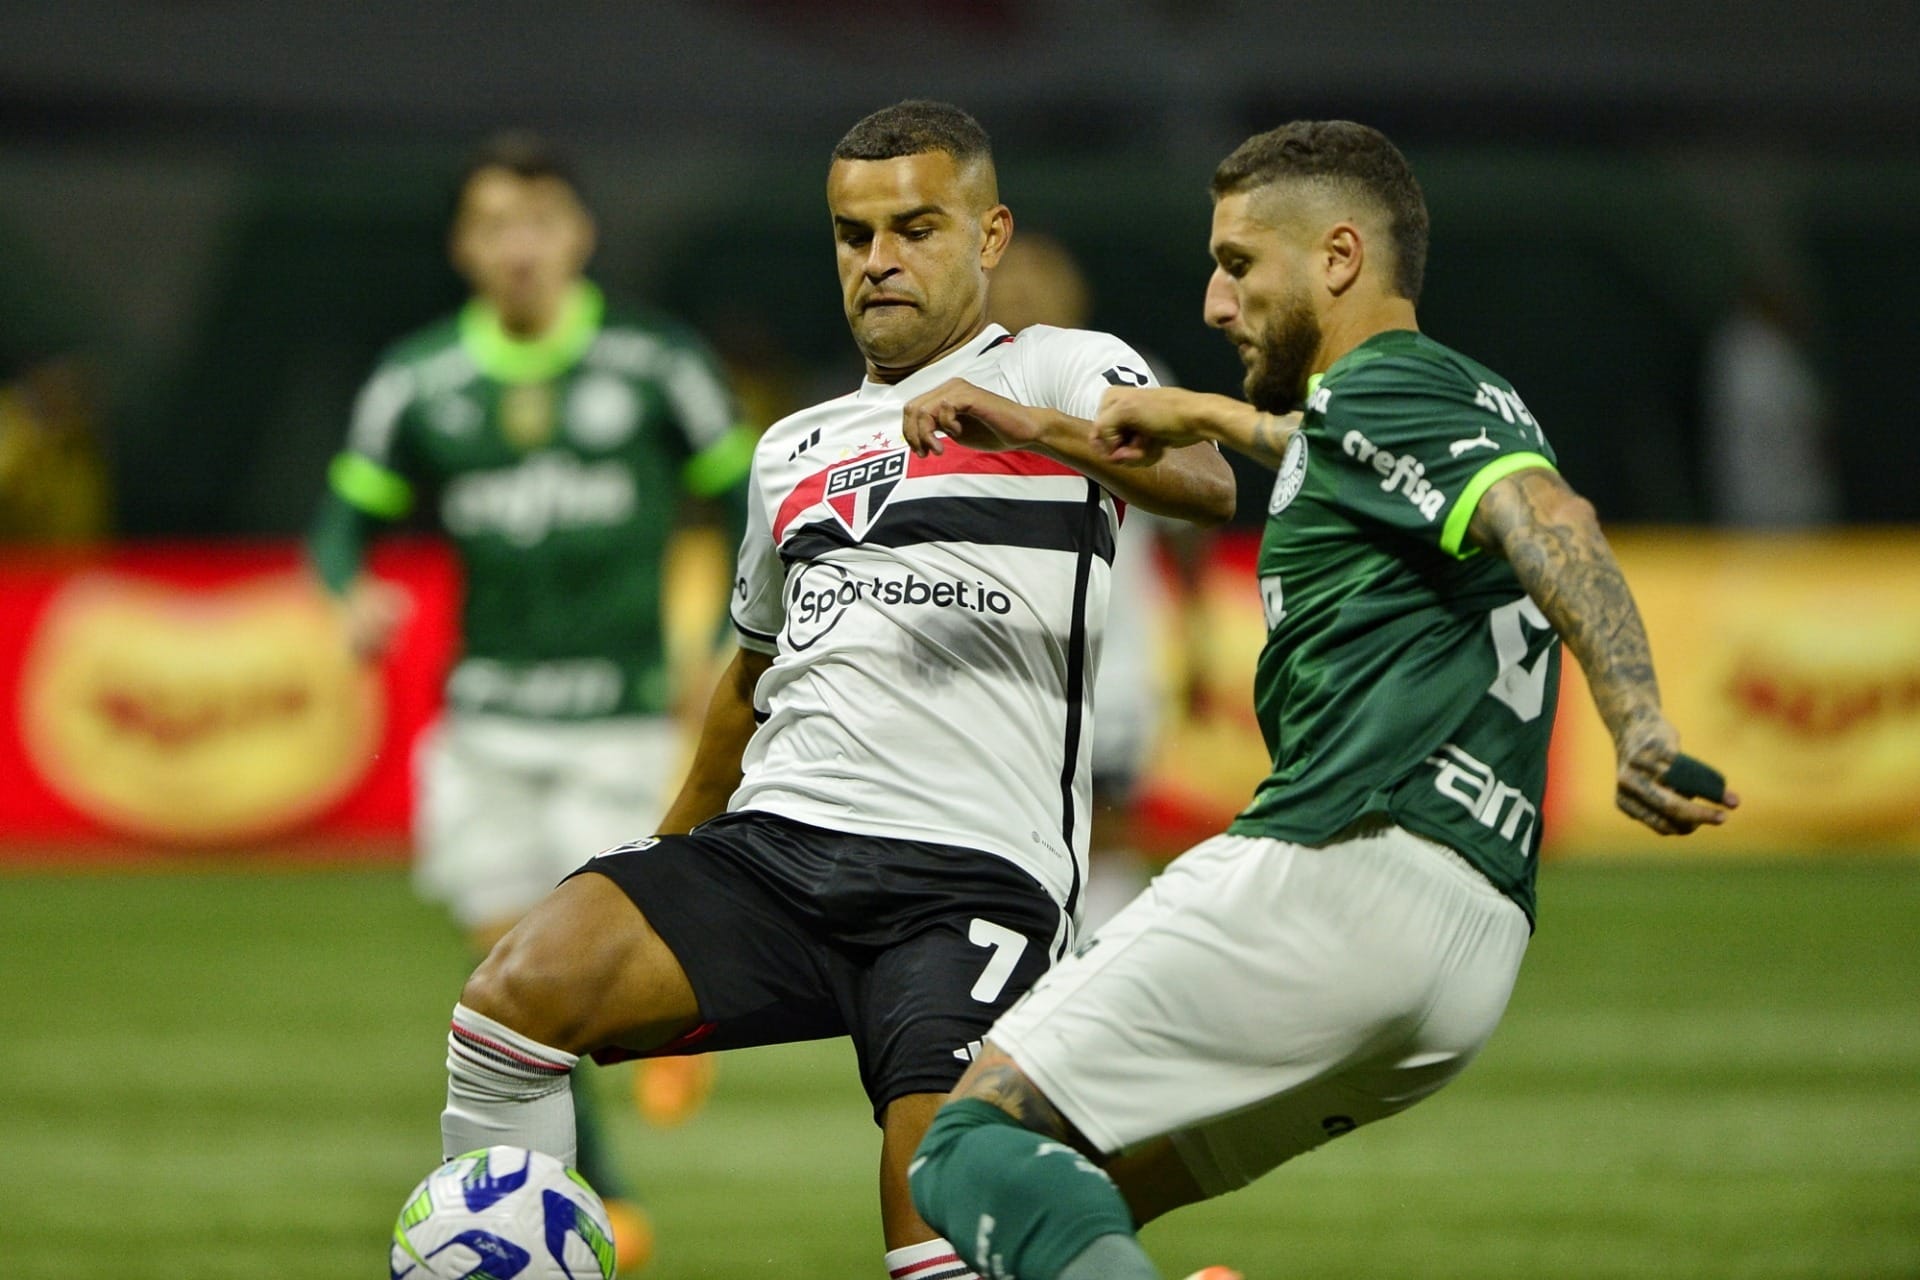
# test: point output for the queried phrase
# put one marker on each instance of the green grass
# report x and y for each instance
(1706, 1072)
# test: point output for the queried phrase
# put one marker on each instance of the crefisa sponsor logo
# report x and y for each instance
(1398, 471)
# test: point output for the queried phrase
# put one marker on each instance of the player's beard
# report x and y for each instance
(1277, 380)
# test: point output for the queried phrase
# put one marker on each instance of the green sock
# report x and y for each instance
(594, 1155)
(1012, 1202)
(1113, 1257)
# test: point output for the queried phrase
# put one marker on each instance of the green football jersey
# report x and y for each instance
(555, 467)
(1404, 673)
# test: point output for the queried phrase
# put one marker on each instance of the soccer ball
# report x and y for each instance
(504, 1213)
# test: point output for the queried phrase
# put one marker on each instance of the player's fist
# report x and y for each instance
(1137, 425)
(1652, 782)
(957, 410)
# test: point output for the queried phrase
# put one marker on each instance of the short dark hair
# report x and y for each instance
(912, 128)
(1344, 154)
(524, 154)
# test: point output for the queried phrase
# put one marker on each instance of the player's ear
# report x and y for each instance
(1343, 253)
(996, 233)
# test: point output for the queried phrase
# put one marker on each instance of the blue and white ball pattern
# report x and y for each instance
(504, 1213)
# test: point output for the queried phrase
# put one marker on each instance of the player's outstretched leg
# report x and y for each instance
(583, 970)
(1020, 1203)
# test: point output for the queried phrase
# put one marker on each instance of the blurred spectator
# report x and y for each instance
(1766, 417)
(53, 478)
(53, 475)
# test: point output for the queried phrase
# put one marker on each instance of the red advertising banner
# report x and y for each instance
(202, 695)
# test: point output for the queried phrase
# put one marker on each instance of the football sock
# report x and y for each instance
(504, 1089)
(1115, 1257)
(1014, 1202)
(931, 1260)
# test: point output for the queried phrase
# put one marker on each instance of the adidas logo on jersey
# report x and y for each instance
(1399, 471)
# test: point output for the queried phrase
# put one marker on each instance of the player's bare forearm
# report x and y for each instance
(1134, 420)
(1552, 538)
(715, 773)
(1192, 483)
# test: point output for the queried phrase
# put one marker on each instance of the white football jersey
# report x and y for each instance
(935, 622)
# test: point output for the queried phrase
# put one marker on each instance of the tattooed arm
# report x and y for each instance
(1552, 538)
(1139, 423)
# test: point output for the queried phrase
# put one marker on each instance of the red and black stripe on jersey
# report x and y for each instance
(906, 520)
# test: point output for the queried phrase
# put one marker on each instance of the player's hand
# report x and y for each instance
(1136, 425)
(957, 410)
(1641, 791)
(373, 610)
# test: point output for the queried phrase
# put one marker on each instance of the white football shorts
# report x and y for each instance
(1261, 997)
(506, 808)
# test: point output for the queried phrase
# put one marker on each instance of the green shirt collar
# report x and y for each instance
(1380, 344)
(505, 358)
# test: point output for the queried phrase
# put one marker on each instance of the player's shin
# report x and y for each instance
(1016, 1203)
(505, 1089)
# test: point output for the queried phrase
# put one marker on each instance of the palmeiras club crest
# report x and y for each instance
(857, 489)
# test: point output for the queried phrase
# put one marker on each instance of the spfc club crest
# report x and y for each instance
(858, 489)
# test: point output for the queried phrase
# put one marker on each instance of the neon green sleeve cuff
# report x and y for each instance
(721, 465)
(1455, 530)
(367, 486)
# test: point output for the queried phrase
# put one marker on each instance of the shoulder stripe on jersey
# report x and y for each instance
(989, 522)
(1002, 340)
(955, 461)
(1454, 532)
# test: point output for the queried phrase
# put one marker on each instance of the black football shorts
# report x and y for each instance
(792, 932)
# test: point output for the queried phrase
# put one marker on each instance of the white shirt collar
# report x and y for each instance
(927, 377)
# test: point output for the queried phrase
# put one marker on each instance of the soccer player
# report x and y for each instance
(884, 832)
(1349, 943)
(555, 436)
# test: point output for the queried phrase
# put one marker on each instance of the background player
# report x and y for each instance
(1349, 944)
(899, 747)
(553, 437)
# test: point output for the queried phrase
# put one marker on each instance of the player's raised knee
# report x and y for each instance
(546, 976)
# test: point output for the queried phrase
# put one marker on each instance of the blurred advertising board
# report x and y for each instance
(1791, 662)
(202, 695)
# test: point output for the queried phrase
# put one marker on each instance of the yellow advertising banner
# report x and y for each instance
(1789, 662)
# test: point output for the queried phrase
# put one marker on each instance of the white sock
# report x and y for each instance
(933, 1260)
(505, 1090)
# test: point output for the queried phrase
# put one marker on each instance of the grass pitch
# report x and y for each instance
(1707, 1071)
